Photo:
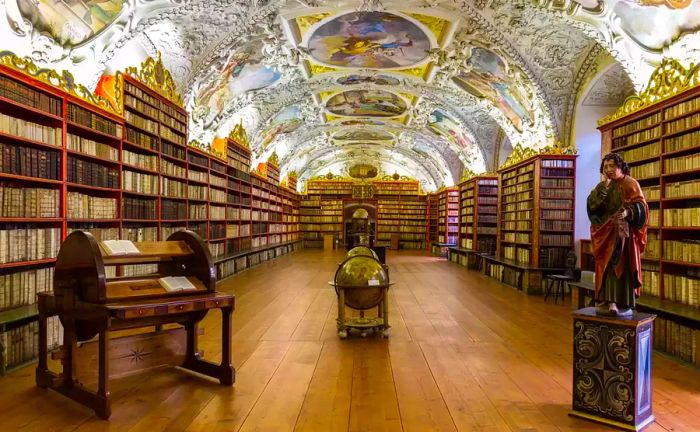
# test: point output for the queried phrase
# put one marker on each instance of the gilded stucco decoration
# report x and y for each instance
(669, 79)
(155, 76)
(523, 63)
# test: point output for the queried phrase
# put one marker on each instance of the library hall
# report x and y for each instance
(350, 215)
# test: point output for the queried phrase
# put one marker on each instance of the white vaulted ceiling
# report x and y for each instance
(425, 88)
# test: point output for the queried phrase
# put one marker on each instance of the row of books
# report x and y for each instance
(139, 208)
(324, 227)
(20, 288)
(547, 224)
(636, 138)
(138, 182)
(686, 188)
(682, 250)
(219, 196)
(551, 172)
(520, 196)
(556, 183)
(682, 163)
(654, 219)
(681, 288)
(638, 124)
(168, 134)
(514, 173)
(20, 345)
(522, 205)
(92, 174)
(682, 141)
(522, 187)
(25, 95)
(29, 161)
(522, 178)
(653, 247)
(321, 219)
(27, 242)
(678, 340)
(173, 209)
(171, 169)
(89, 119)
(82, 206)
(514, 216)
(557, 163)
(681, 217)
(651, 169)
(556, 203)
(148, 162)
(141, 122)
(516, 237)
(91, 147)
(556, 240)
(518, 254)
(683, 123)
(644, 152)
(141, 139)
(518, 225)
(651, 283)
(20, 202)
(652, 192)
(554, 257)
(155, 102)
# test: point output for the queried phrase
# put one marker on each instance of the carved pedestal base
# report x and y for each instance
(612, 369)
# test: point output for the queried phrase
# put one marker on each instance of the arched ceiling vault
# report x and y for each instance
(425, 87)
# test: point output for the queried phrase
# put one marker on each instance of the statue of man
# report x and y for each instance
(618, 213)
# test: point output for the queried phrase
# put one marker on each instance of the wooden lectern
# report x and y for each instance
(91, 305)
(612, 369)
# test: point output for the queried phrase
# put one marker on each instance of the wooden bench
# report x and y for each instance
(473, 257)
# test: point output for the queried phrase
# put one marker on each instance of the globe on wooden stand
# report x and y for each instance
(361, 283)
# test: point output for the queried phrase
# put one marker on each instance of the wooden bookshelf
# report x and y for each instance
(402, 212)
(448, 216)
(321, 210)
(432, 203)
(660, 143)
(76, 166)
(478, 220)
(536, 220)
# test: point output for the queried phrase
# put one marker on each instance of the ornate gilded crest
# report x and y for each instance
(155, 76)
(239, 135)
(669, 79)
(521, 153)
(274, 160)
(63, 81)
(467, 174)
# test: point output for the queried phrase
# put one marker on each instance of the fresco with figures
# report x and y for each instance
(70, 22)
(363, 135)
(286, 121)
(375, 79)
(446, 127)
(366, 103)
(378, 40)
(242, 73)
(488, 77)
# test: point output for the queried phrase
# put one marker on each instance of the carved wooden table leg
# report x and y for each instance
(103, 407)
(227, 371)
(385, 313)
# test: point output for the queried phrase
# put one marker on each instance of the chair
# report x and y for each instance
(558, 282)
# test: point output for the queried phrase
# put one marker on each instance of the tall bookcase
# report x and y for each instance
(478, 220)
(432, 203)
(536, 220)
(321, 210)
(402, 212)
(661, 143)
(448, 216)
(68, 163)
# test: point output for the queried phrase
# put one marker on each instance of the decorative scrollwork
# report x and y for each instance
(63, 81)
(155, 76)
(521, 153)
(239, 135)
(669, 79)
(274, 160)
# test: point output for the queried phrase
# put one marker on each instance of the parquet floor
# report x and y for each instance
(466, 353)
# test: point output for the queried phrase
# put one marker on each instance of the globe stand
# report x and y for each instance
(362, 323)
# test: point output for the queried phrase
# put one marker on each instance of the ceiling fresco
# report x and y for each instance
(423, 88)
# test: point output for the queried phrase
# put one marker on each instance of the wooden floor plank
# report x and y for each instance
(466, 353)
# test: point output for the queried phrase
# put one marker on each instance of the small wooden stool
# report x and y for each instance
(558, 281)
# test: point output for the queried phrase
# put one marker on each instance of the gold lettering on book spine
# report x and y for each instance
(669, 79)
(63, 81)
(155, 76)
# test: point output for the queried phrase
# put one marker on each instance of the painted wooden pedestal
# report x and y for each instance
(612, 369)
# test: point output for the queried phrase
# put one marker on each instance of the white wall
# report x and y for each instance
(587, 140)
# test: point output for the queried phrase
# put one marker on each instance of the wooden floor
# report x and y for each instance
(466, 353)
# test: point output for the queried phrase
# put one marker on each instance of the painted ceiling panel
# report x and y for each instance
(430, 88)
